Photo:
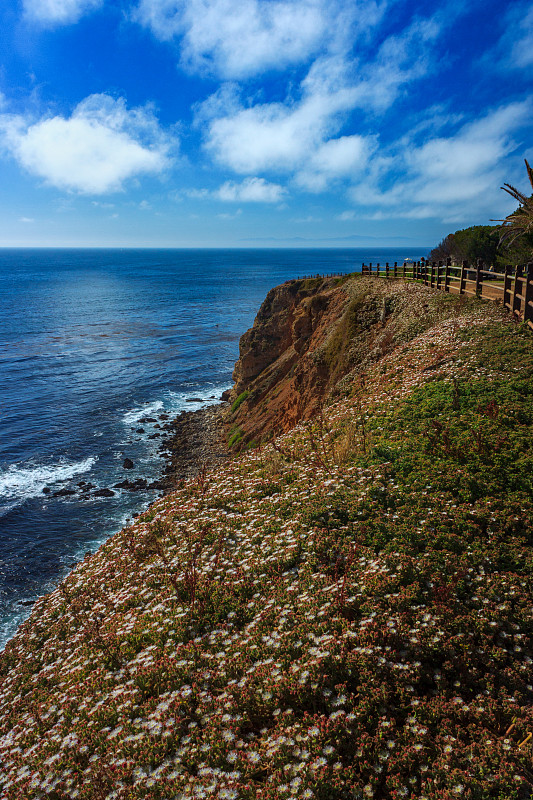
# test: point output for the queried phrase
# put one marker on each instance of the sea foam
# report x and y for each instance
(18, 483)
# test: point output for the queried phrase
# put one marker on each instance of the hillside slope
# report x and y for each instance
(308, 335)
(344, 612)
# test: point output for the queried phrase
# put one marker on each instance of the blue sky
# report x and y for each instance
(259, 123)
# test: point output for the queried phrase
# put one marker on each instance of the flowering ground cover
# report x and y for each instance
(344, 612)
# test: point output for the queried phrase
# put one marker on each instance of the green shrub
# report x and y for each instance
(235, 437)
(238, 402)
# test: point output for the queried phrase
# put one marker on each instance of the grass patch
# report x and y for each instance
(239, 401)
(235, 437)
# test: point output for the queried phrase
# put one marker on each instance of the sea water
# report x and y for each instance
(91, 342)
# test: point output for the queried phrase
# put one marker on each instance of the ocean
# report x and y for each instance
(91, 343)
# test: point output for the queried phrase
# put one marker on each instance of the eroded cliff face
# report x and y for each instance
(309, 334)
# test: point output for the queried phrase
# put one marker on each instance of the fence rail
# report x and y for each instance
(513, 286)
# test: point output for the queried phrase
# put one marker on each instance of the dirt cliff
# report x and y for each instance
(307, 336)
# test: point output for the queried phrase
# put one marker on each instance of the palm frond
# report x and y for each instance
(519, 222)
(529, 173)
(522, 198)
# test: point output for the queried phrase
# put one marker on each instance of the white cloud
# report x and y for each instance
(251, 190)
(298, 136)
(267, 137)
(238, 40)
(453, 177)
(521, 55)
(336, 158)
(225, 215)
(514, 49)
(280, 136)
(195, 194)
(58, 12)
(94, 151)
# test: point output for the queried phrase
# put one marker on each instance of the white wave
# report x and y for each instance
(181, 401)
(9, 626)
(174, 402)
(134, 416)
(21, 483)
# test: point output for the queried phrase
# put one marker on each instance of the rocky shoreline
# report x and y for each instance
(196, 440)
(189, 441)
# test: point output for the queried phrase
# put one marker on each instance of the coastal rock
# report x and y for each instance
(103, 493)
(64, 493)
(132, 486)
(128, 463)
(156, 485)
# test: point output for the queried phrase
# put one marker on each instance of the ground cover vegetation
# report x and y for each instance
(343, 612)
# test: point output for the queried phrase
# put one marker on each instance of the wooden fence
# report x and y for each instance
(513, 286)
(322, 275)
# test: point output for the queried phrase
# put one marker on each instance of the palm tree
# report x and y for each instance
(520, 222)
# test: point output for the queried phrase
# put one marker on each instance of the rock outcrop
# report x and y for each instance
(307, 336)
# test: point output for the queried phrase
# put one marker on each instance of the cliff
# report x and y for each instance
(308, 335)
(343, 612)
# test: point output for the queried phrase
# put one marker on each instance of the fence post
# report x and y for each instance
(439, 267)
(433, 265)
(516, 292)
(395, 269)
(447, 275)
(528, 294)
(387, 269)
(462, 284)
(479, 278)
(377, 269)
(507, 287)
